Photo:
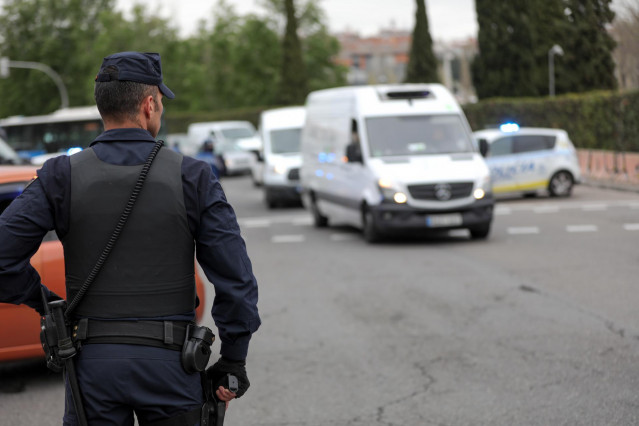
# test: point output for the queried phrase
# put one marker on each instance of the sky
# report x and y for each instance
(448, 19)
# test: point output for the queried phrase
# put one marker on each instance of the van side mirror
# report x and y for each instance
(354, 153)
(483, 147)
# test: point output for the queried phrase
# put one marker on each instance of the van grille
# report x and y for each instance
(441, 191)
(294, 174)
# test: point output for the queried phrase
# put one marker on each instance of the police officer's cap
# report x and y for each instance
(135, 66)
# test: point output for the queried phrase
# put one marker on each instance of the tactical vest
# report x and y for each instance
(150, 271)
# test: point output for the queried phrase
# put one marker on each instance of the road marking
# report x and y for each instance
(631, 226)
(256, 223)
(288, 238)
(546, 209)
(521, 230)
(581, 228)
(595, 208)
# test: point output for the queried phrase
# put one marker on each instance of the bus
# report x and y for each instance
(37, 138)
(52, 134)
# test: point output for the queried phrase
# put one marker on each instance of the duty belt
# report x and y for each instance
(161, 334)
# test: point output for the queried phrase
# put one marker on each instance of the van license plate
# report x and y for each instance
(440, 220)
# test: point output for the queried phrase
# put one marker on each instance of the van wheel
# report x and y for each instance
(319, 220)
(480, 232)
(371, 233)
(561, 184)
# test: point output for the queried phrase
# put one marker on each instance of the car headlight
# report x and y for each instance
(278, 169)
(484, 187)
(389, 192)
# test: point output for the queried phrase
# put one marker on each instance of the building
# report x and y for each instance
(383, 58)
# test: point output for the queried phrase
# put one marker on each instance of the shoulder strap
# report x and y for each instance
(118, 229)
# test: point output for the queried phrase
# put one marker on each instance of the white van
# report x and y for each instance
(393, 158)
(280, 130)
(241, 133)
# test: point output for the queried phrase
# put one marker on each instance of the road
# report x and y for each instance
(538, 325)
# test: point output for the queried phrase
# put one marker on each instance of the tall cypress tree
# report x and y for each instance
(587, 63)
(294, 81)
(422, 64)
(506, 64)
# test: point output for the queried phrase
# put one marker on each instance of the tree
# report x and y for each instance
(60, 34)
(422, 64)
(293, 83)
(506, 63)
(587, 64)
(625, 30)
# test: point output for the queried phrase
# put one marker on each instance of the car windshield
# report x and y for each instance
(227, 147)
(7, 155)
(285, 141)
(238, 133)
(417, 135)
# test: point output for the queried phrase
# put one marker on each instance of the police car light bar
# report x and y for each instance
(509, 127)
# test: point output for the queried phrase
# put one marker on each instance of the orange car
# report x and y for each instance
(22, 339)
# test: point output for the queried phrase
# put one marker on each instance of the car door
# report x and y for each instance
(534, 161)
(502, 163)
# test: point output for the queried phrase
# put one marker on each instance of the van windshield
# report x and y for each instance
(285, 141)
(237, 133)
(417, 135)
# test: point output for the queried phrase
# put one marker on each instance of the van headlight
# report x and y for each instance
(278, 169)
(389, 192)
(484, 188)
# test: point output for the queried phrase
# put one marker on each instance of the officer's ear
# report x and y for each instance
(148, 106)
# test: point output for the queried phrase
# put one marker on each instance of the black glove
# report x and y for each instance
(217, 373)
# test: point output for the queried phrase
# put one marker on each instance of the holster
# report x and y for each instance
(197, 348)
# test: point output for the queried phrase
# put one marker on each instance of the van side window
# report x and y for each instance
(530, 143)
(354, 148)
(499, 147)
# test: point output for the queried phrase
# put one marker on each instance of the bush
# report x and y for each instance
(597, 120)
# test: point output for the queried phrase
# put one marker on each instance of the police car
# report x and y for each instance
(527, 160)
(22, 339)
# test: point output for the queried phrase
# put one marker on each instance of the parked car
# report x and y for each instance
(527, 160)
(21, 340)
(241, 133)
(230, 159)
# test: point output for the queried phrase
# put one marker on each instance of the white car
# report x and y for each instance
(232, 160)
(526, 160)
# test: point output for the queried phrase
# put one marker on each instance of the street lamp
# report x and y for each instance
(555, 50)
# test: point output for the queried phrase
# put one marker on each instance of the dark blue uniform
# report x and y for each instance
(143, 372)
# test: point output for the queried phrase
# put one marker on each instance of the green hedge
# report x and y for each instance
(597, 120)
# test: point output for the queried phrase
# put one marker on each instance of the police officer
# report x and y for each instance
(149, 276)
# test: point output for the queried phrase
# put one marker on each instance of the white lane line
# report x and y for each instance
(546, 209)
(287, 238)
(502, 211)
(634, 206)
(303, 221)
(342, 237)
(631, 226)
(595, 208)
(581, 228)
(256, 223)
(522, 230)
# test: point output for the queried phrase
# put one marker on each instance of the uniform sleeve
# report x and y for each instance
(22, 226)
(222, 254)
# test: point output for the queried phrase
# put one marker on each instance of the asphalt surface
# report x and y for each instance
(535, 326)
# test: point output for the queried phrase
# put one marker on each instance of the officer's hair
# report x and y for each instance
(120, 100)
